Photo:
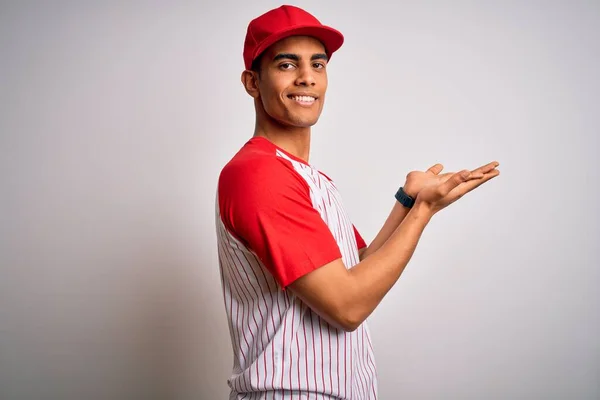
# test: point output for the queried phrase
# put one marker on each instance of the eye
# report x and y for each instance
(319, 65)
(286, 66)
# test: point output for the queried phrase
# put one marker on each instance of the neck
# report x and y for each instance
(294, 140)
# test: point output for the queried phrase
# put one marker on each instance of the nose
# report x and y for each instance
(305, 76)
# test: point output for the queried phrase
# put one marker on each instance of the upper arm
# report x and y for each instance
(326, 291)
(267, 206)
(329, 290)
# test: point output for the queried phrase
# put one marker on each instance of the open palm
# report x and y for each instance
(419, 180)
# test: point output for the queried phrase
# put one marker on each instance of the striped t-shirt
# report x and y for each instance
(279, 218)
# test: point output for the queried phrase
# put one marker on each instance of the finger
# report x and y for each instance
(487, 167)
(455, 180)
(470, 185)
(473, 175)
(436, 169)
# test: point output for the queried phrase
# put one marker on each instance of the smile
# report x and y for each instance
(303, 100)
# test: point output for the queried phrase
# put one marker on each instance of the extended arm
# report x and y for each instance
(345, 298)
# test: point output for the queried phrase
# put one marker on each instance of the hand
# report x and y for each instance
(418, 180)
(437, 197)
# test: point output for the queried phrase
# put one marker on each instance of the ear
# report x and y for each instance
(250, 82)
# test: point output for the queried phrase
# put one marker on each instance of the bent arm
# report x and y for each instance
(346, 297)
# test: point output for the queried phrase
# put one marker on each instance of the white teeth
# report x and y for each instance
(304, 99)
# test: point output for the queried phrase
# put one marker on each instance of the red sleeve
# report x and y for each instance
(266, 205)
(360, 242)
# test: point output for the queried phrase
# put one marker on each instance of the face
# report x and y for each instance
(292, 81)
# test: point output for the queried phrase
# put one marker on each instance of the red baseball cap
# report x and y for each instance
(282, 22)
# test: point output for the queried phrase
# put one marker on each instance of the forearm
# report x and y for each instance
(392, 222)
(371, 279)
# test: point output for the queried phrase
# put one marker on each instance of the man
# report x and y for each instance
(298, 279)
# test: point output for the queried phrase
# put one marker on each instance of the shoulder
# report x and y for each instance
(258, 176)
(255, 165)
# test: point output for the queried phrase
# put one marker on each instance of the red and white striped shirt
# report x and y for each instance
(279, 218)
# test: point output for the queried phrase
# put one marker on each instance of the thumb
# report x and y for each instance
(436, 169)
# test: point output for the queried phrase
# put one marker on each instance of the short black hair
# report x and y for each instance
(256, 63)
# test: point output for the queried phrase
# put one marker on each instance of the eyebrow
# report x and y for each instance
(295, 57)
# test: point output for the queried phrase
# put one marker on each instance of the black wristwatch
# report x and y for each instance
(404, 199)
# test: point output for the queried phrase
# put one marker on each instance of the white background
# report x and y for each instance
(115, 120)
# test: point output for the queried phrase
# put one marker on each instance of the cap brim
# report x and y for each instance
(331, 38)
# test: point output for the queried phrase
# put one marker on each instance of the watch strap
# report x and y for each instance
(404, 199)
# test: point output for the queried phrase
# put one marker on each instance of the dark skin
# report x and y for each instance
(293, 66)
(289, 93)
